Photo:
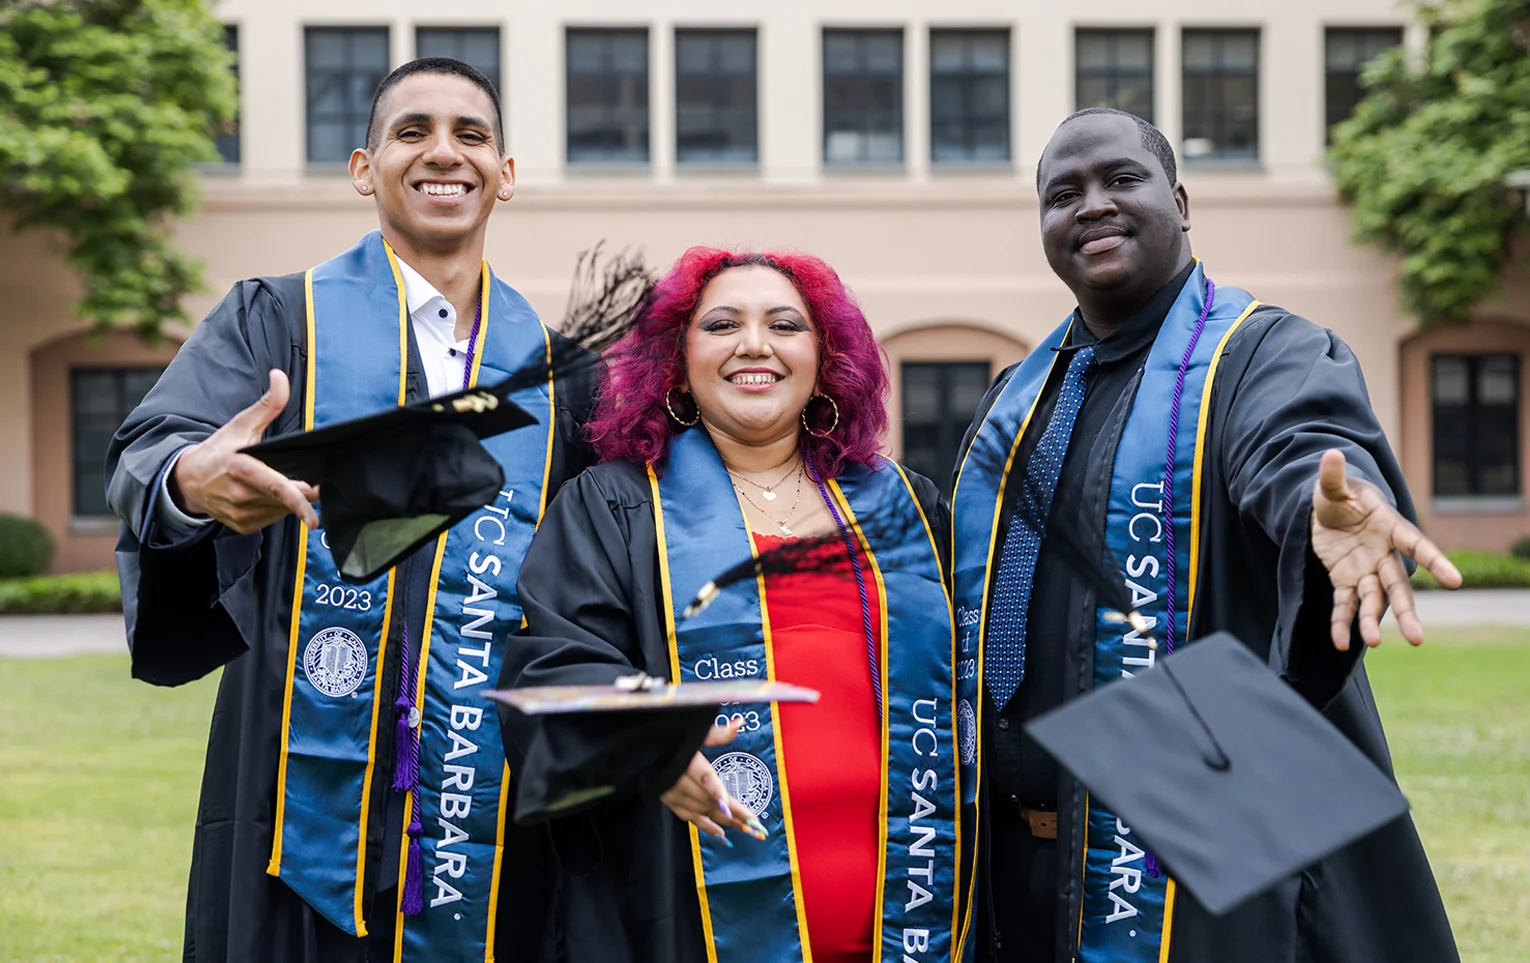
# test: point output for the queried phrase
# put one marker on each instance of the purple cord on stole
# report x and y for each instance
(860, 581)
(1150, 863)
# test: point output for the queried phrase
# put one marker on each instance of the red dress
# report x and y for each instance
(833, 748)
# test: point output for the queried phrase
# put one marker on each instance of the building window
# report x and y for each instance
(345, 65)
(1221, 90)
(969, 96)
(476, 46)
(863, 96)
(939, 402)
(1347, 51)
(228, 135)
(101, 399)
(716, 105)
(1114, 68)
(1476, 424)
(607, 96)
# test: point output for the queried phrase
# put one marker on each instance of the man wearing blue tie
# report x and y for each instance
(1221, 456)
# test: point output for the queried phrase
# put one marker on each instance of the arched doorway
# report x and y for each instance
(939, 374)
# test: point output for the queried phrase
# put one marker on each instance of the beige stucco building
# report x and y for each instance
(897, 139)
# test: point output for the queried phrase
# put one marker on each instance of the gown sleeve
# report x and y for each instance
(590, 619)
(1301, 393)
(188, 596)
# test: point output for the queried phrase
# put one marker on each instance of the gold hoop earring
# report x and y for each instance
(671, 409)
(832, 425)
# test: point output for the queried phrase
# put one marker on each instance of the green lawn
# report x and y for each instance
(99, 775)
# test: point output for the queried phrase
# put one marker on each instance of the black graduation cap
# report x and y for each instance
(392, 481)
(639, 729)
(1233, 781)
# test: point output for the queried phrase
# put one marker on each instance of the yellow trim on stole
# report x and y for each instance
(674, 676)
(956, 768)
(993, 535)
(876, 570)
(1195, 552)
(504, 782)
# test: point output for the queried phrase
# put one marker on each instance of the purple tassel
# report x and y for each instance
(406, 751)
(1150, 865)
(414, 874)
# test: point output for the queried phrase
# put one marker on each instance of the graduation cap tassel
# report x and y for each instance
(413, 903)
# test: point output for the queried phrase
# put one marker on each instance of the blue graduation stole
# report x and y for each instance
(751, 895)
(1127, 910)
(358, 337)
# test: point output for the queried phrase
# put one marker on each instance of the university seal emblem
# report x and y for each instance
(747, 779)
(335, 661)
(966, 732)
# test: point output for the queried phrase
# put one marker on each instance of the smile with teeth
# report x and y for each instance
(754, 378)
(443, 190)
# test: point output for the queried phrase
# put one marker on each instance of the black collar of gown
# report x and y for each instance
(1139, 331)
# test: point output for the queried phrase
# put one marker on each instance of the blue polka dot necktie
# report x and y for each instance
(1004, 660)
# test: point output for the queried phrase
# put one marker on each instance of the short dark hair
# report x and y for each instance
(1152, 139)
(435, 65)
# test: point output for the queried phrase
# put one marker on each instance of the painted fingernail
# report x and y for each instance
(722, 804)
(727, 842)
(758, 827)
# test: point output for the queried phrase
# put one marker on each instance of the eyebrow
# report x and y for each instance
(420, 117)
(730, 309)
(1072, 173)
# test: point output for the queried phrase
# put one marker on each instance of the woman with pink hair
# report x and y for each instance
(742, 418)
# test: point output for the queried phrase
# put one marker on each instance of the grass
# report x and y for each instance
(100, 778)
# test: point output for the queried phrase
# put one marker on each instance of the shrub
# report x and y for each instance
(1521, 548)
(78, 593)
(1482, 570)
(26, 548)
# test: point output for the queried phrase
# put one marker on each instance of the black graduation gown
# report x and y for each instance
(1287, 391)
(624, 890)
(224, 599)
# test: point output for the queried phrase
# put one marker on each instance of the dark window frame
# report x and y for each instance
(863, 85)
(938, 460)
(1349, 75)
(1219, 122)
(230, 149)
(1474, 420)
(87, 476)
(737, 123)
(1115, 77)
(458, 34)
(618, 117)
(354, 114)
(970, 118)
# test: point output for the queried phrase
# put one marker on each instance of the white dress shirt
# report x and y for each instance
(443, 357)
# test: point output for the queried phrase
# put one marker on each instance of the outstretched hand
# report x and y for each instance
(245, 494)
(1358, 535)
(700, 798)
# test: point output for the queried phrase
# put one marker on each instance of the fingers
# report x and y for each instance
(1371, 598)
(267, 488)
(699, 798)
(722, 735)
(1343, 616)
(1413, 543)
(252, 421)
(1394, 579)
(1332, 483)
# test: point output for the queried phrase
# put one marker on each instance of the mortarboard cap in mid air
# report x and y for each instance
(1231, 779)
(640, 728)
(392, 481)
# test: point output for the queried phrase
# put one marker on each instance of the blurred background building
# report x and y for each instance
(896, 139)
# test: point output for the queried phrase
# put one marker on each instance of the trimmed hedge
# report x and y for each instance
(1482, 570)
(79, 593)
(26, 548)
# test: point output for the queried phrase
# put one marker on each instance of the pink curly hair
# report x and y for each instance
(631, 421)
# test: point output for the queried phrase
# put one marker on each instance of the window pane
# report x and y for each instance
(101, 399)
(1220, 110)
(607, 96)
(863, 96)
(715, 102)
(939, 402)
(344, 66)
(1475, 424)
(969, 96)
(1114, 68)
(228, 136)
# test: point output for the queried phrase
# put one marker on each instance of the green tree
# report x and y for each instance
(1424, 157)
(105, 108)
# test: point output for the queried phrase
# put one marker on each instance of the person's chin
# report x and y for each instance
(1104, 274)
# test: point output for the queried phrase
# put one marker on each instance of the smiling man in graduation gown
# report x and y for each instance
(1221, 458)
(353, 805)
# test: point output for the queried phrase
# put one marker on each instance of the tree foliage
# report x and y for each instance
(1424, 158)
(105, 108)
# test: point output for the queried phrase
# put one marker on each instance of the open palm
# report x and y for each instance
(1360, 538)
